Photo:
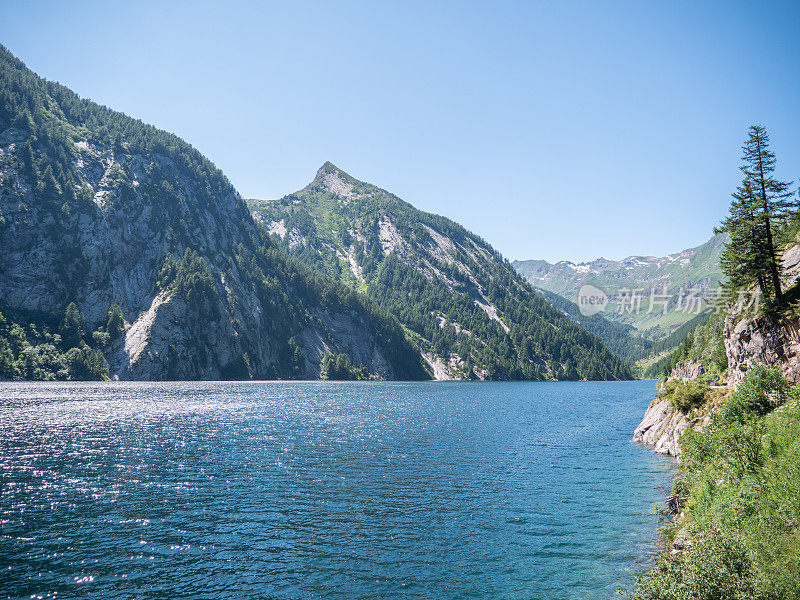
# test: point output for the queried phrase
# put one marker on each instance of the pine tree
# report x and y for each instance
(743, 257)
(72, 326)
(760, 206)
(776, 200)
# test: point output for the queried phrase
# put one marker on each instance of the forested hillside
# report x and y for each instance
(471, 313)
(622, 339)
(102, 215)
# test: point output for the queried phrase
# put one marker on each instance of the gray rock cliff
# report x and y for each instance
(97, 208)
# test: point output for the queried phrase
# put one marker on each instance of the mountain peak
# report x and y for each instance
(334, 180)
(327, 169)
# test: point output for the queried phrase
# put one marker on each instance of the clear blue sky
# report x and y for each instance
(557, 130)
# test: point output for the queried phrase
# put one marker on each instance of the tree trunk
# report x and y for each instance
(773, 263)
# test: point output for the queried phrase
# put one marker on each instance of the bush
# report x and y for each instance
(762, 390)
(716, 567)
(684, 396)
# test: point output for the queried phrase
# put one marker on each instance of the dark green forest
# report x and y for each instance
(622, 339)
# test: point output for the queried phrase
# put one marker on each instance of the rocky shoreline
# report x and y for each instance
(661, 428)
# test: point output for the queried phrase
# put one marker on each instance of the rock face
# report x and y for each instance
(747, 342)
(761, 341)
(687, 370)
(661, 427)
(94, 206)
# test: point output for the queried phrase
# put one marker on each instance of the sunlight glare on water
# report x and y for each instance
(322, 489)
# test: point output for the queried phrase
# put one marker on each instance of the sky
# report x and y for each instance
(555, 130)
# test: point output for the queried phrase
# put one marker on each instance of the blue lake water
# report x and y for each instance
(325, 490)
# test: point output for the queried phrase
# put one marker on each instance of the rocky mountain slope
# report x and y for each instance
(768, 340)
(692, 269)
(100, 209)
(693, 379)
(472, 315)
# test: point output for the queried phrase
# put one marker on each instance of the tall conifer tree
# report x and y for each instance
(760, 206)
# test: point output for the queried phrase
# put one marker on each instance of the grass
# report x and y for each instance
(740, 485)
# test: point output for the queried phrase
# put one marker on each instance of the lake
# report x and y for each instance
(325, 490)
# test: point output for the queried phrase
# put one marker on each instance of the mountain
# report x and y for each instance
(126, 253)
(624, 340)
(470, 313)
(677, 276)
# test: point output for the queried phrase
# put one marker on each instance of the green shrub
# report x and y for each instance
(716, 567)
(684, 396)
(760, 391)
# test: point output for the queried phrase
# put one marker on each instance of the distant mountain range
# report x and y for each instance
(470, 313)
(682, 282)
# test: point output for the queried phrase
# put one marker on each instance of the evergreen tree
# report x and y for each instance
(743, 258)
(760, 206)
(115, 325)
(72, 326)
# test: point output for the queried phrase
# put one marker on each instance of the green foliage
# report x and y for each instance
(740, 480)
(671, 343)
(72, 326)
(33, 352)
(115, 325)
(338, 367)
(191, 279)
(759, 392)
(686, 395)
(704, 343)
(85, 364)
(717, 567)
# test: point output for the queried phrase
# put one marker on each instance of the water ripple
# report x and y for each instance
(334, 490)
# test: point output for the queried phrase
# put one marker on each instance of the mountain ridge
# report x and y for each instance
(144, 257)
(694, 269)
